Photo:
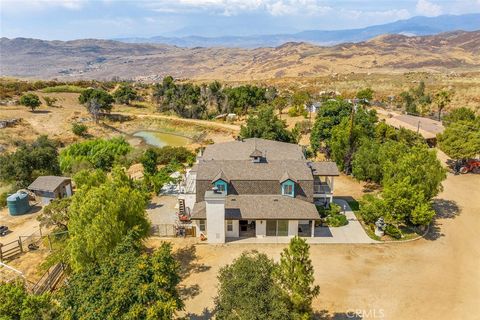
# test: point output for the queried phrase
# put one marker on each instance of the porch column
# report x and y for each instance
(313, 229)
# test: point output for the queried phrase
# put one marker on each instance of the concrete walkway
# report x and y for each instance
(351, 233)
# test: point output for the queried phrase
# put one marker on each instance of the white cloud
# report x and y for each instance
(235, 7)
(428, 9)
(29, 5)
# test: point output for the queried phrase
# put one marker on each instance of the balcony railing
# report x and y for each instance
(322, 188)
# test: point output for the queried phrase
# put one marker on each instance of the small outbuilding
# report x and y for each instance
(49, 188)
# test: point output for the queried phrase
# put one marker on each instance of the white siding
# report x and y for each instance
(292, 228)
(215, 209)
(261, 228)
(235, 232)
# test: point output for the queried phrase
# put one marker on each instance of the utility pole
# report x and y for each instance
(418, 127)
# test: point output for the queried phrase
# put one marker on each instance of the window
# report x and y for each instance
(221, 185)
(277, 228)
(229, 225)
(202, 225)
(288, 188)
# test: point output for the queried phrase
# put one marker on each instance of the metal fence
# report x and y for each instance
(172, 230)
(163, 230)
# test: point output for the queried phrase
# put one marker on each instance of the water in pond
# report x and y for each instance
(160, 139)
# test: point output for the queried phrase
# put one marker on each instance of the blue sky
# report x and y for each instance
(75, 19)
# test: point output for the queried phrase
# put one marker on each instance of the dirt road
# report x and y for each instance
(433, 278)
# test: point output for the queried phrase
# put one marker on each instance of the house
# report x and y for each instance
(256, 188)
(426, 127)
(49, 188)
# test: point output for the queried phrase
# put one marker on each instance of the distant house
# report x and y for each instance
(427, 128)
(49, 188)
(256, 188)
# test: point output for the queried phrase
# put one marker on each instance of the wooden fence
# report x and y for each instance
(49, 279)
(10, 250)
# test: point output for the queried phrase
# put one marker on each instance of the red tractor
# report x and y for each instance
(472, 165)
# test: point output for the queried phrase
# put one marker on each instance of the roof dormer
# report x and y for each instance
(256, 156)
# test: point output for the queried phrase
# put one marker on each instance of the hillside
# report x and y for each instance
(104, 59)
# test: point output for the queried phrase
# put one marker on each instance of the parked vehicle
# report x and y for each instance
(472, 165)
(3, 230)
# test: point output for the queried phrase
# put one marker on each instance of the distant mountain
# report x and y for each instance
(413, 26)
(103, 59)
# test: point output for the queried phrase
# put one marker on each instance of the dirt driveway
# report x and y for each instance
(434, 278)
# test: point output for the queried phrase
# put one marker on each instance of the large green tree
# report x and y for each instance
(347, 136)
(96, 101)
(263, 123)
(441, 100)
(124, 94)
(330, 114)
(248, 291)
(420, 167)
(295, 276)
(31, 101)
(100, 216)
(125, 284)
(461, 139)
(17, 304)
(56, 214)
(30, 161)
(459, 114)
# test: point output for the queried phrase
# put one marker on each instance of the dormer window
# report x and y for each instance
(288, 188)
(256, 156)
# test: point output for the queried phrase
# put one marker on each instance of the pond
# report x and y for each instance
(161, 139)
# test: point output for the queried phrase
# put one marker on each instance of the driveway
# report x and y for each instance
(161, 210)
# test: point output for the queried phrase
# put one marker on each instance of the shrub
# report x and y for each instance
(64, 88)
(336, 220)
(3, 199)
(50, 102)
(393, 231)
(79, 129)
(167, 154)
(99, 153)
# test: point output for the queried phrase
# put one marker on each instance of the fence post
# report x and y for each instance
(49, 243)
(20, 244)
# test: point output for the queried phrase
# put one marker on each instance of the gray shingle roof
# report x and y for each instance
(220, 176)
(242, 150)
(266, 207)
(247, 170)
(47, 183)
(324, 168)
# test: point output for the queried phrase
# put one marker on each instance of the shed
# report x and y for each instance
(48, 188)
(17, 203)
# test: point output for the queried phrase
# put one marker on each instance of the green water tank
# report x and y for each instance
(18, 203)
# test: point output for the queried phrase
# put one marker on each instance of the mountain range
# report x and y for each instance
(414, 26)
(103, 59)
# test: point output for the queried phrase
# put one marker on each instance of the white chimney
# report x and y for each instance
(215, 214)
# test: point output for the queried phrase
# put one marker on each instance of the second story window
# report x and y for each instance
(221, 186)
(288, 188)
